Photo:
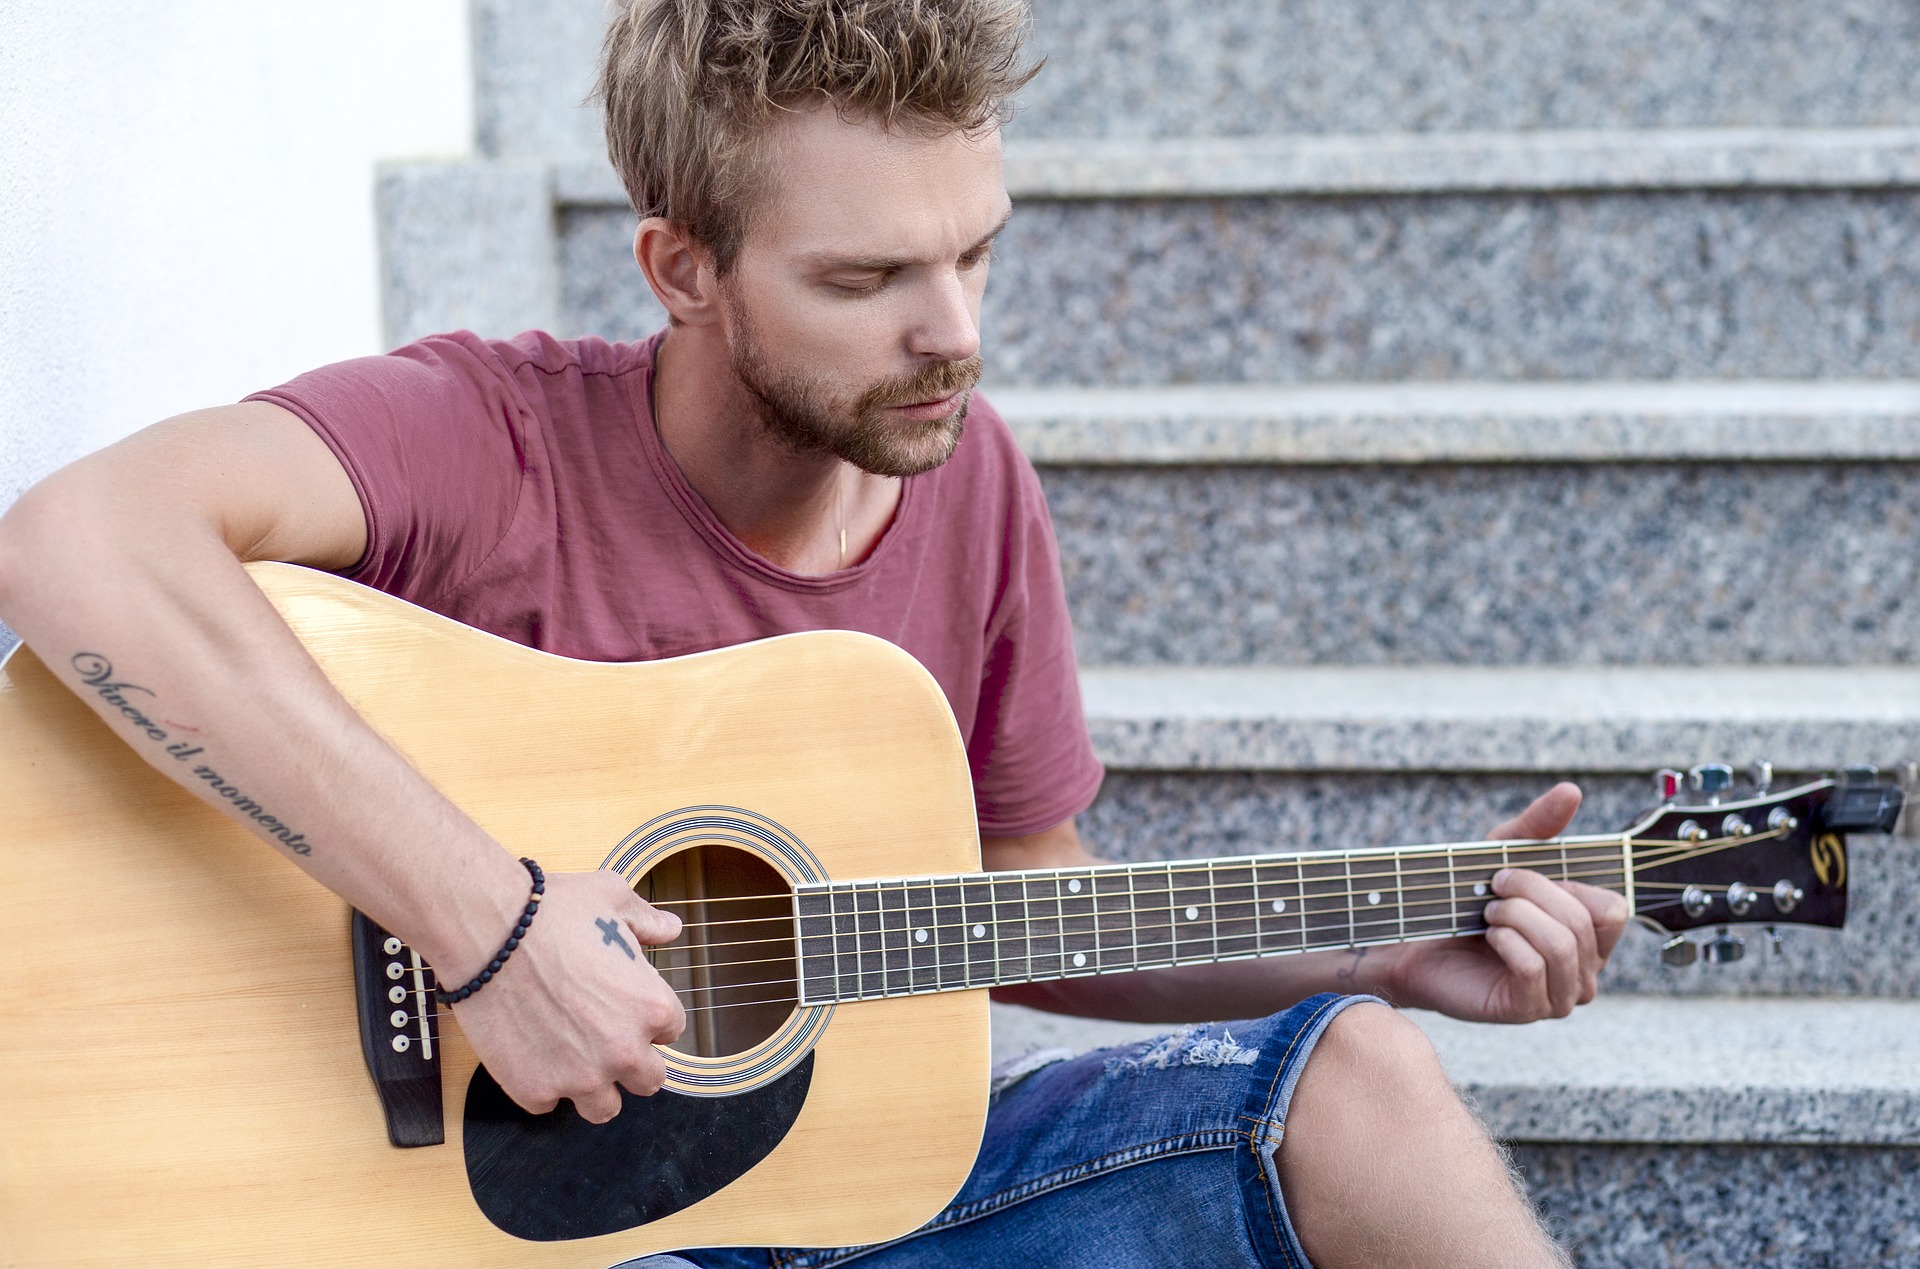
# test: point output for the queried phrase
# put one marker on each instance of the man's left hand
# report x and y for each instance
(1544, 947)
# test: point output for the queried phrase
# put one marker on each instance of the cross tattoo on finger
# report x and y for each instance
(610, 934)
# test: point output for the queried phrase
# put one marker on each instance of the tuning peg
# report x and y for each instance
(1761, 773)
(1712, 779)
(1774, 939)
(1667, 784)
(1678, 952)
(1726, 949)
(1859, 775)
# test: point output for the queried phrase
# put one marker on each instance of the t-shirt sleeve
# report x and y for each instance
(1032, 757)
(434, 437)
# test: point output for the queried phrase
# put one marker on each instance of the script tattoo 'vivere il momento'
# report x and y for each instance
(97, 673)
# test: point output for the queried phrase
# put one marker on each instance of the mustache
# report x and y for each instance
(932, 382)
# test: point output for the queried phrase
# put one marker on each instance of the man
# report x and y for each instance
(819, 185)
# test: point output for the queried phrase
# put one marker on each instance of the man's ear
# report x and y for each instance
(679, 270)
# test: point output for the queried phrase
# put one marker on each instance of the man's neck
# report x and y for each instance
(789, 509)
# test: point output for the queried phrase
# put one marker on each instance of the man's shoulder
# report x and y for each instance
(536, 350)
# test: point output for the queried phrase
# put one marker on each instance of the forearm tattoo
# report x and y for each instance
(97, 673)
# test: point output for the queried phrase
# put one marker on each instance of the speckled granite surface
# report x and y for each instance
(1589, 563)
(465, 246)
(1155, 815)
(1784, 285)
(1729, 1207)
(1136, 67)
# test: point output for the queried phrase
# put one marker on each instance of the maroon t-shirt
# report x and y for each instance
(520, 486)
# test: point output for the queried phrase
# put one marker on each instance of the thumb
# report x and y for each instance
(1548, 815)
(649, 924)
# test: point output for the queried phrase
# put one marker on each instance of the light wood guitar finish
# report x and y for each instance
(181, 1080)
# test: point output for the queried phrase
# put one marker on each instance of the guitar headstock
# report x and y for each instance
(1762, 857)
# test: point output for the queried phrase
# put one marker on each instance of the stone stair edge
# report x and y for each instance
(1542, 161)
(1498, 718)
(1452, 422)
(1643, 1069)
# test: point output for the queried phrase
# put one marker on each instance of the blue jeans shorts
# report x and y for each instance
(1151, 1154)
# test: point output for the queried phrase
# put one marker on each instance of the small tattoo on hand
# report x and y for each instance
(610, 934)
(1347, 972)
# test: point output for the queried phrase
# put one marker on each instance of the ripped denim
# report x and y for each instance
(1151, 1154)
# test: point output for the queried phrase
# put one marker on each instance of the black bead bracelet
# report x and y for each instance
(485, 976)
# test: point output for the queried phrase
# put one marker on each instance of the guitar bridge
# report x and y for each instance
(399, 1022)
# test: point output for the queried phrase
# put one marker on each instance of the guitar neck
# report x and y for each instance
(866, 940)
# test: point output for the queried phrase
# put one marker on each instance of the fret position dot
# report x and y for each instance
(1479, 887)
(919, 936)
(1073, 887)
(1279, 905)
(1373, 896)
(1079, 959)
(979, 931)
(1193, 914)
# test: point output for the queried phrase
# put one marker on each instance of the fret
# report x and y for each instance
(1012, 937)
(1112, 920)
(1078, 940)
(869, 941)
(1399, 895)
(1213, 913)
(949, 938)
(1191, 919)
(1323, 903)
(1153, 901)
(846, 946)
(1046, 932)
(1236, 910)
(1426, 894)
(1346, 864)
(1281, 914)
(1133, 919)
(923, 952)
(895, 941)
(817, 964)
(977, 931)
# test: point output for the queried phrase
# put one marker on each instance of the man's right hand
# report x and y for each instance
(576, 1011)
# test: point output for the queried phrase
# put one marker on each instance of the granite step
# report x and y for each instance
(1131, 68)
(1668, 1132)
(1212, 761)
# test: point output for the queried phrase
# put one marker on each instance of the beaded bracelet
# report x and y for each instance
(485, 976)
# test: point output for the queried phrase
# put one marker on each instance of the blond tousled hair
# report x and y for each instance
(691, 87)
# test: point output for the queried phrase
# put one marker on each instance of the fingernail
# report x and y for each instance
(1492, 907)
(1500, 878)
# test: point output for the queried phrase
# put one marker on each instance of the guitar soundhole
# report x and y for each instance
(733, 965)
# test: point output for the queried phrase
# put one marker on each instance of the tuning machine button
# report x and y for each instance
(1678, 952)
(1712, 779)
(1761, 775)
(1786, 896)
(1774, 940)
(1726, 949)
(1668, 784)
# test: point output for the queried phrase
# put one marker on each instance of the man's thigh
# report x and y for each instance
(1148, 1154)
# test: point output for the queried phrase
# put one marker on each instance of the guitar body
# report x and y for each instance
(181, 1072)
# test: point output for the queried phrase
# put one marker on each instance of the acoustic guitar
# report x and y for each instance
(208, 1060)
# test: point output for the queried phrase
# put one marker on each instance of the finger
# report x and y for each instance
(1527, 996)
(1609, 913)
(1553, 941)
(1557, 902)
(1547, 816)
(599, 1106)
(645, 1076)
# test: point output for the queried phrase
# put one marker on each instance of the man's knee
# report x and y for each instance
(1372, 1051)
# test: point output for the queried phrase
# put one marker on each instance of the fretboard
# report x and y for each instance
(863, 940)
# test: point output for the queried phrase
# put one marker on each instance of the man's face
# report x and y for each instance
(854, 302)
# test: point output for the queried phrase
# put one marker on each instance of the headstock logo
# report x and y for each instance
(1830, 859)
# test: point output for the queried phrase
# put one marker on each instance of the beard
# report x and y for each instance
(802, 412)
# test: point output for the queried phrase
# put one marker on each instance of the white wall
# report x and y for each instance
(186, 199)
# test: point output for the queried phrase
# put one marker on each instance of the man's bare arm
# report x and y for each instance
(124, 574)
(1541, 957)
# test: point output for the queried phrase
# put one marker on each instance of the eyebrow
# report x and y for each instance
(881, 264)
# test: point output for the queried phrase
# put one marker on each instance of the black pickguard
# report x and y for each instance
(551, 1177)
